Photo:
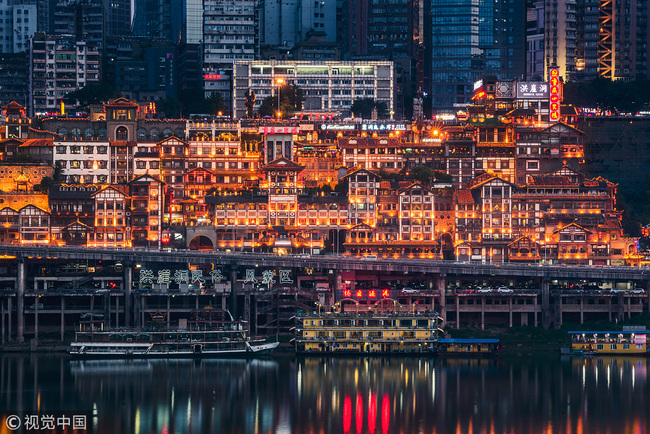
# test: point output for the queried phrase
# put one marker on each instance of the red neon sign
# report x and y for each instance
(556, 89)
(370, 293)
(212, 76)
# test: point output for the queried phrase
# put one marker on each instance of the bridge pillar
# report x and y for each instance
(457, 311)
(233, 293)
(20, 302)
(546, 314)
(442, 302)
(128, 287)
(483, 312)
(582, 310)
(62, 318)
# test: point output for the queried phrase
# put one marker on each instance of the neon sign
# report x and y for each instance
(366, 293)
(555, 92)
(212, 76)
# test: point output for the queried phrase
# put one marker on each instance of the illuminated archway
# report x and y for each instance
(201, 242)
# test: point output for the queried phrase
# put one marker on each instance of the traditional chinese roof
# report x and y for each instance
(562, 127)
(361, 226)
(523, 238)
(119, 188)
(464, 196)
(37, 142)
(610, 224)
(414, 185)
(121, 102)
(522, 112)
(72, 191)
(550, 181)
(13, 105)
(173, 138)
(146, 178)
(122, 143)
(199, 169)
(487, 178)
(282, 163)
(78, 223)
(355, 171)
(569, 225)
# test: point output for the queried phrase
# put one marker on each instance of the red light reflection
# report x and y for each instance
(359, 411)
(347, 414)
(385, 414)
(372, 413)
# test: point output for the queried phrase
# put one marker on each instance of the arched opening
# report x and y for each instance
(201, 242)
(447, 245)
(121, 133)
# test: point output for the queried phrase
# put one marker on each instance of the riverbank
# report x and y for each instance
(531, 340)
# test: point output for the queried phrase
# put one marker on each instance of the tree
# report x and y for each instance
(362, 107)
(169, 108)
(216, 104)
(250, 103)
(291, 99)
(93, 93)
(422, 174)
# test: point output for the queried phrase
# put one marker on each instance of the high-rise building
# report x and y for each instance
(18, 19)
(118, 17)
(58, 66)
(13, 78)
(468, 39)
(390, 31)
(286, 23)
(85, 20)
(228, 35)
(586, 39)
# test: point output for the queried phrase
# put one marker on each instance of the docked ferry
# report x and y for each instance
(367, 333)
(210, 333)
(629, 343)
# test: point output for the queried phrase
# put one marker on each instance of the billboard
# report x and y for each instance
(532, 90)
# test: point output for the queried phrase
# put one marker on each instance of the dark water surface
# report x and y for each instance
(337, 395)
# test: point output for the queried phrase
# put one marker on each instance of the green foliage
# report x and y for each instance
(250, 103)
(421, 174)
(609, 95)
(362, 107)
(169, 108)
(291, 99)
(94, 93)
(341, 187)
(45, 185)
(195, 102)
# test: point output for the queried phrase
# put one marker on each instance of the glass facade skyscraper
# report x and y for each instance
(469, 39)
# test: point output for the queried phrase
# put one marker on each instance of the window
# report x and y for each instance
(122, 133)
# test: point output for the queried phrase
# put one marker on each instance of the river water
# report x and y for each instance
(331, 395)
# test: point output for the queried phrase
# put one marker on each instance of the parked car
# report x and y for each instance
(484, 290)
(408, 290)
(504, 290)
(369, 257)
(637, 291)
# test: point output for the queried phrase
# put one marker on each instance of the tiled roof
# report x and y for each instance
(464, 196)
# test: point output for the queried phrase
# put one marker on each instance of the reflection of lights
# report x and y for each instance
(385, 413)
(359, 413)
(372, 413)
(347, 414)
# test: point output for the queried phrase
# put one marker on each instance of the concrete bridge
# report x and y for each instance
(34, 297)
(334, 262)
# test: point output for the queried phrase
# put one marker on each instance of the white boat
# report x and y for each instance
(210, 333)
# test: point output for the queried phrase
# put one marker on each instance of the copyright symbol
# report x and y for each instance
(13, 422)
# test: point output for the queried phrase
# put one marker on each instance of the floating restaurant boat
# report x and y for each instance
(367, 333)
(209, 333)
(468, 347)
(628, 343)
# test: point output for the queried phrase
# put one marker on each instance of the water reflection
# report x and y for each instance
(348, 395)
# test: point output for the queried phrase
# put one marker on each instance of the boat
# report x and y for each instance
(468, 347)
(331, 333)
(627, 342)
(209, 333)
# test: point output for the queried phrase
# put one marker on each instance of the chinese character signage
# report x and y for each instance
(279, 130)
(555, 95)
(369, 294)
(532, 90)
